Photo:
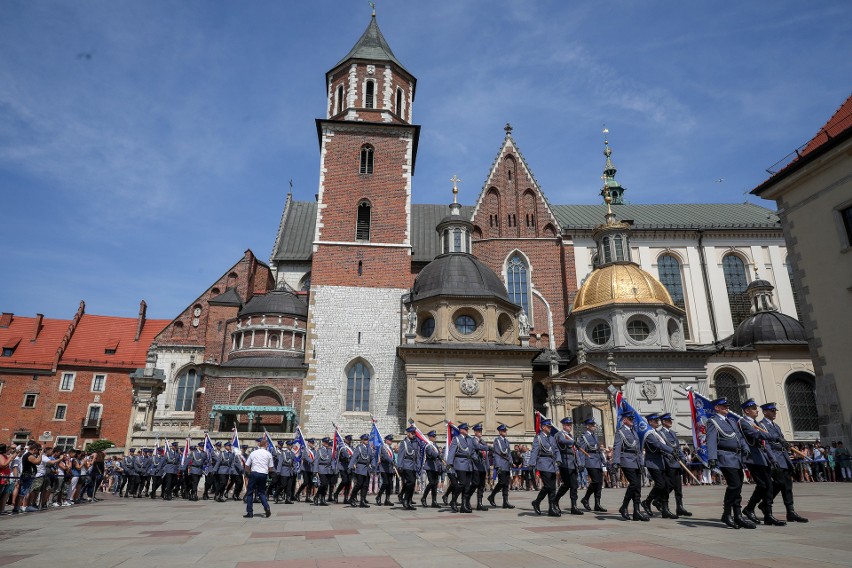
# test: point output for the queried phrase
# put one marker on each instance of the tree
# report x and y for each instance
(99, 445)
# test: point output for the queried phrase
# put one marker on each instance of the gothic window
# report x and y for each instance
(358, 388)
(366, 164)
(729, 385)
(399, 109)
(801, 399)
(795, 292)
(186, 386)
(339, 101)
(362, 225)
(736, 282)
(370, 95)
(668, 268)
(517, 280)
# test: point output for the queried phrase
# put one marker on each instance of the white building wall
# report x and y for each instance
(173, 360)
(291, 273)
(338, 315)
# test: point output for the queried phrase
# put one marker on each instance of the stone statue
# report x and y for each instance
(412, 320)
(523, 323)
(581, 356)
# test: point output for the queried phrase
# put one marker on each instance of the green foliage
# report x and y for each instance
(99, 446)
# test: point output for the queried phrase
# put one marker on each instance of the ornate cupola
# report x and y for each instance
(766, 325)
(611, 185)
(369, 83)
(454, 230)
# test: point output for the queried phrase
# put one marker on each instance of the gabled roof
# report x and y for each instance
(94, 334)
(841, 120)
(671, 215)
(296, 234)
(372, 46)
(229, 297)
(38, 354)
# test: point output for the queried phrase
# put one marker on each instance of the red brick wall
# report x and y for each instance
(216, 392)
(115, 414)
(381, 267)
(398, 80)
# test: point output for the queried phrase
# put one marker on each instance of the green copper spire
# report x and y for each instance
(611, 185)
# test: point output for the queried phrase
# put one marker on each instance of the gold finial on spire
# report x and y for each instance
(608, 199)
(455, 179)
(373, 6)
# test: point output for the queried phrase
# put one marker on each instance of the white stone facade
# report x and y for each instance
(347, 325)
(174, 360)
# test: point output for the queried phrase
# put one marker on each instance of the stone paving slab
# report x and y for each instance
(131, 533)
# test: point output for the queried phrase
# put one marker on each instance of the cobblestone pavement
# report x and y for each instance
(147, 534)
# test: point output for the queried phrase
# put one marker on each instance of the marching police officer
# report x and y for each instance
(433, 470)
(593, 461)
(544, 456)
(674, 464)
(502, 453)
(459, 458)
(344, 454)
(782, 477)
(210, 471)
(197, 460)
(627, 455)
(408, 462)
(480, 466)
(224, 467)
(143, 466)
(325, 469)
(131, 477)
(170, 470)
(725, 447)
(386, 472)
(568, 465)
(285, 470)
(656, 452)
(760, 464)
(360, 465)
(156, 472)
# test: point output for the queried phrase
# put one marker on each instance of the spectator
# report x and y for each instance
(843, 462)
(29, 463)
(6, 458)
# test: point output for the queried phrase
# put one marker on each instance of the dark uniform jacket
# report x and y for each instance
(725, 442)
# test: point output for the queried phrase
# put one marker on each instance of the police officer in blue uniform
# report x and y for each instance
(502, 452)
(480, 466)
(325, 469)
(344, 453)
(197, 461)
(144, 468)
(360, 464)
(760, 463)
(307, 471)
(408, 462)
(568, 465)
(223, 471)
(627, 455)
(656, 452)
(432, 464)
(156, 472)
(285, 470)
(386, 472)
(674, 464)
(170, 470)
(544, 456)
(782, 477)
(593, 461)
(725, 447)
(460, 459)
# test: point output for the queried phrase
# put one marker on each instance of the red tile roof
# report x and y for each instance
(95, 334)
(840, 121)
(38, 354)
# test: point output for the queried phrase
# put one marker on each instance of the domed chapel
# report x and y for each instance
(374, 305)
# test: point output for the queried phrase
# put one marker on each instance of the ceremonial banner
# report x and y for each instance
(452, 432)
(640, 425)
(235, 445)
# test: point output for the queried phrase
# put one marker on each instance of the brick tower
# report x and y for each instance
(361, 264)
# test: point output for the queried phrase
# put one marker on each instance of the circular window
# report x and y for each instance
(638, 329)
(504, 324)
(601, 333)
(465, 324)
(427, 328)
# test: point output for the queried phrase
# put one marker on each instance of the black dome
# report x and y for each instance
(769, 327)
(760, 284)
(458, 275)
(275, 302)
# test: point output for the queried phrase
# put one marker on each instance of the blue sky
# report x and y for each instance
(145, 145)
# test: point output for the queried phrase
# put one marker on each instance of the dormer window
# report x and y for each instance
(369, 94)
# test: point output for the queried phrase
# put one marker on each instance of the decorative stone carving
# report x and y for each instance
(523, 323)
(412, 320)
(649, 390)
(469, 385)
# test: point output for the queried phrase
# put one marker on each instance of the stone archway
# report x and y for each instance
(261, 395)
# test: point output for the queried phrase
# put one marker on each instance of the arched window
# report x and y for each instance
(399, 109)
(187, 384)
(801, 400)
(795, 292)
(668, 268)
(340, 103)
(366, 164)
(606, 251)
(619, 247)
(370, 94)
(457, 240)
(362, 225)
(736, 281)
(305, 284)
(729, 385)
(358, 388)
(447, 240)
(517, 281)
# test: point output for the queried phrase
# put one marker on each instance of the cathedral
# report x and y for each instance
(373, 307)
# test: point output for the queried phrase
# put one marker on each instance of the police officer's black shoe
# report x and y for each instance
(423, 502)
(599, 509)
(434, 504)
(453, 507)
(268, 513)
(465, 506)
(506, 504)
(379, 501)
(492, 501)
(363, 505)
(667, 514)
(749, 514)
(574, 509)
(769, 519)
(552, 512)
(585, 502)
(411, 506)
(638, 515)
(388, 503)
(794, 517)
(728, 519)
(248, 516)
(681, 512)
(647, 507)
(624, 514)
(444, 498)
(536, 508)
(743, 522)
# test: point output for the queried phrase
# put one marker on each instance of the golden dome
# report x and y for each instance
(620, 284)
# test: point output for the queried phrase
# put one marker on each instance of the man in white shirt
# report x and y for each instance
(258, 465)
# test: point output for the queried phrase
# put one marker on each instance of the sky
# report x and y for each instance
(144, 146)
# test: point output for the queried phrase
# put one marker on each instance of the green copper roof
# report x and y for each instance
(671, 216)
(372, 46)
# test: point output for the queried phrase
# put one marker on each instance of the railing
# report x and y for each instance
(88, 423)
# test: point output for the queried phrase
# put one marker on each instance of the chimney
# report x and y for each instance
(6, 319)
(37, 327)
(143, 307)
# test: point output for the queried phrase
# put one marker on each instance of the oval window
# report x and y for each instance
(427, 328)
(465, 324)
